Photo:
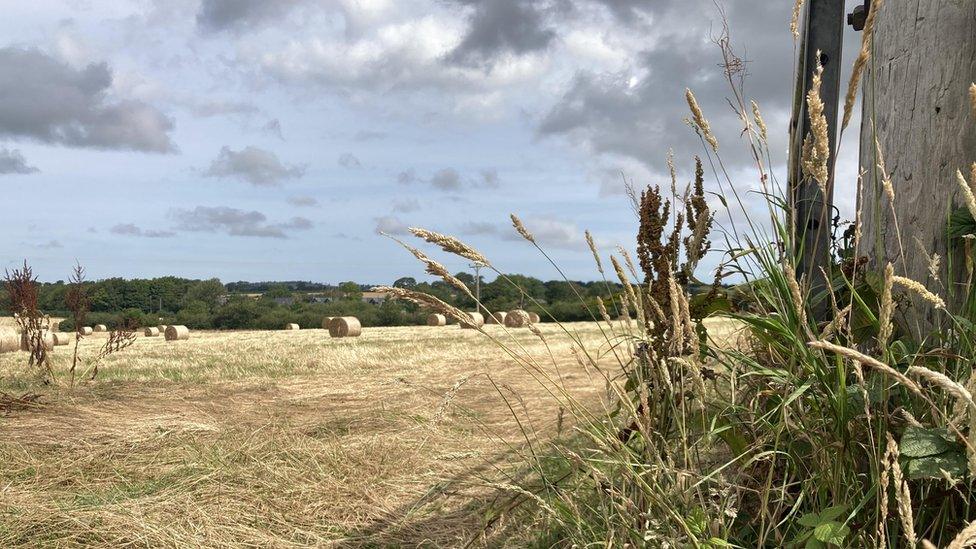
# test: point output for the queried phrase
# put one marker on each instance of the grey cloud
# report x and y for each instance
(489, 178)
(370, 135)
(406, 177)
(478, 228)
(50, 245)
(273, 127)
(254, 165)
(234, 222)
(502, 26)
(303, 201)
(406, 205)
(130, 229)
(447, 179)
(45, 99)
(610, 113)
(349, 161)
(210, 108)
(220, 15)
(391, 224)
(11, 161)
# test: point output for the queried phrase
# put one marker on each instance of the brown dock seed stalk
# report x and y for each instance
(759, 121)
(795, 21)
(816, 146)
(699, 119)
(921, 290)
(451, 245)
(887, 308)
(941, 380)
(520, 227)
(860, 63)
(868, 361)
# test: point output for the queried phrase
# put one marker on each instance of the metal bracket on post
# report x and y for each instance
(810, 210)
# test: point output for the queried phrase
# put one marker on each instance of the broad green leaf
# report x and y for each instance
(814, 543)
(833, 513)
(832, 532)
(920, 442)
(953, 463)
(810, 520)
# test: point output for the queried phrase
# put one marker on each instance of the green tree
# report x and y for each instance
(208, 292)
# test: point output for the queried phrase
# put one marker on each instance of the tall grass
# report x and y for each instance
(845, 430)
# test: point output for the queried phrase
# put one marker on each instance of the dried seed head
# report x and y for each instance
(860, 63)
(517, 223)
(972, 97)
(902, 495)
(965, 538)
(435, 268)
(886, 184)
(596, 254)
(795, 292)
(699, 119)
(921, 290)
(759, 121)
(425, 300)
(795, 22)
(816, 145)
(887, 308)
(603, 309)
(451, 245)
(868, 361)
(967, 193)
(941, 380)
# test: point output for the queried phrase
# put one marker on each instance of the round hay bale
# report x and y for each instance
(345, 326)
(61, 338)
(9, 340)
(177, 333)
(534, 318)
(436, 320)
(496, 318)
(477, 321)
(100, 328)
(292, 327)
(151, 332)
(162, 328)
(517, 319)
(86, 331)
(47, 339)
(327, 322)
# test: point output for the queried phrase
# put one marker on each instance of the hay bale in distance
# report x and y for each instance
(100, 328)
(517, 319)
(61, 338)
(534, 318)
(151, 332)
(9, 340)
(327, 322)
(292, 327)
(496, 318)
(162, 328)
(435, 319)
(345, 326)
(177, 333)
(86, 331)
(477, 321)
(47, 339)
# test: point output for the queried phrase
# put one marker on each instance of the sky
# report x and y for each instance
(275, 140)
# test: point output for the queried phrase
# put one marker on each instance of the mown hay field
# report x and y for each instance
(282, 439)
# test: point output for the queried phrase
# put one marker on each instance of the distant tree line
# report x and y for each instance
(210, 304)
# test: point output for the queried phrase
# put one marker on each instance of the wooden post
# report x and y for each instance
(810, 210)
(916, 108)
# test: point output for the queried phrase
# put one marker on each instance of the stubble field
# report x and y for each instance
(287, 439)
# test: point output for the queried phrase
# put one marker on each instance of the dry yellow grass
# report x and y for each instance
(278, 439)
